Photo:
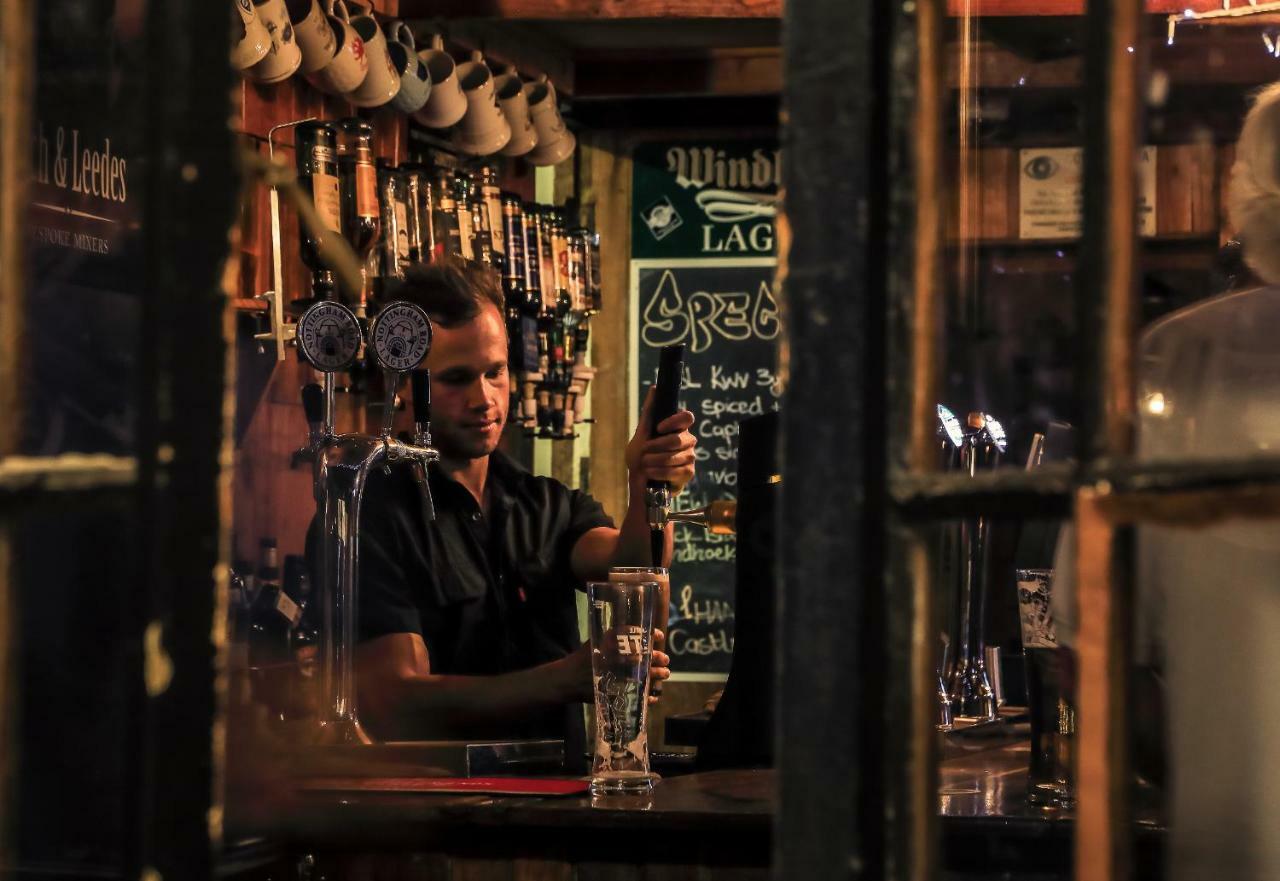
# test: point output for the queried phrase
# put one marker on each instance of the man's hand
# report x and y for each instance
(669, 456)
(575, 675)
(659, 667)
(574, 671)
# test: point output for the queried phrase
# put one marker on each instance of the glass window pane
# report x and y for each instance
(85, 262)
(79, 669)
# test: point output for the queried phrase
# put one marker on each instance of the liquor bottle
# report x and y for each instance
(532, 259)
(595, 290)
(271, 619)
(268, 564)
(426, 205)
(466, 232)
(579, 258)
(393, 243)
(317, 167)
(238, 615)
(444, 216)
(493, 199)
(560, 254)
(304, 639)
(580, 375)
(482, 236)
(358, 183)
(532, 328)
(556, 382)
(512, 268)
(414, 179)
(550, 271)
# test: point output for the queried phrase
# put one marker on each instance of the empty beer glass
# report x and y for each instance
(662, 612)
(1050, 694)
(621, 618)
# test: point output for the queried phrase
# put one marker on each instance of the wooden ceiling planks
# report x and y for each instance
(1070, 7)
(590, 9)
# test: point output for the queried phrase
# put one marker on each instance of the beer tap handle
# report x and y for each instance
(390, 381)
(313, 407)
(666, 399)
(420, 380)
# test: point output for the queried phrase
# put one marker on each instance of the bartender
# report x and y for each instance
(468, 622)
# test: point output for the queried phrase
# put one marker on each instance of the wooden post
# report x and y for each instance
(16, 39)
(607, 185)
(184, 427)
(1107, 305)
(839, 666)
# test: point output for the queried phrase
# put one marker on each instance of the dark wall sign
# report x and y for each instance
(702, 274)
(704, 199)
(85, 206)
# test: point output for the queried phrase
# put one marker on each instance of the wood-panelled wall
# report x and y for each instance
(270, 499)
(1191, 184)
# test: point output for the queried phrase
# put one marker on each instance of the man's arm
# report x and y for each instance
(400, 698)
(604, 547)
(669, 456)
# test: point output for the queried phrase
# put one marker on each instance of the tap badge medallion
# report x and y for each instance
(401, 336)
(329, 335)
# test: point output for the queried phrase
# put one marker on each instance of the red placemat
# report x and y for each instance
(540, 786)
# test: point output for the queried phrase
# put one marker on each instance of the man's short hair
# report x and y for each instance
(452, 290)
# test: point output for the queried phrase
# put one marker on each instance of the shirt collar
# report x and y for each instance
(504, 474)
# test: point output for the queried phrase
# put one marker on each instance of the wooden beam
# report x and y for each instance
(1106, 314)
(1068, 7)
(605, 190)
(1104, 604)
(17, 31)
(734, 72)
(531, 51)
(1197, 57)
(590, 9)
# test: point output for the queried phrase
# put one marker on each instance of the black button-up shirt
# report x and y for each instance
(489, 593)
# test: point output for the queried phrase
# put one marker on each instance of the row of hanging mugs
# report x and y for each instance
(370, 64)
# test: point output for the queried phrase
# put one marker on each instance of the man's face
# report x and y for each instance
(470, 387)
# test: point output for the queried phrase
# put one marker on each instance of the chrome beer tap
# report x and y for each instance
(717, 518)
(969, 684)
(951, 445)
(330, 337)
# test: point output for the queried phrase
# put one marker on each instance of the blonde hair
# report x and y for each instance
(1254, 196)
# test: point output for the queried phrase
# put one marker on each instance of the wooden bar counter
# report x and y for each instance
(703, 825)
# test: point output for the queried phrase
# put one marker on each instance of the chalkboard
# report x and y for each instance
(724, 311)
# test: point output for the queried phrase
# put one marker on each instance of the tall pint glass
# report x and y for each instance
(1050, 694)
(621, 617)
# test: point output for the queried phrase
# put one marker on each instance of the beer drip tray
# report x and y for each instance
(970, 726)
(971, 735)
(433, 758)
(978, 727)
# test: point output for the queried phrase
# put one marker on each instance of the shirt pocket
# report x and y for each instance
(457, 585)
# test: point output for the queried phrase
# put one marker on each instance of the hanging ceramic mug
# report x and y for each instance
(509, 89)
(483, 130)
(383, 82)
(314, 35)
(349, 65)
(446, 104)
(555, 141)
(284, 56)
(252, 42)
(415, 81)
